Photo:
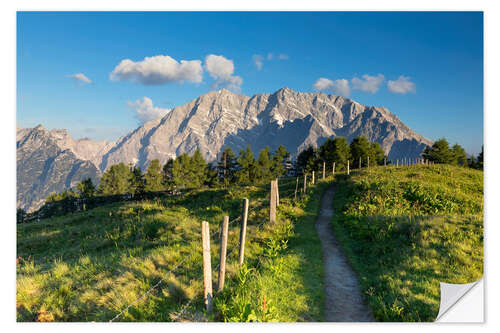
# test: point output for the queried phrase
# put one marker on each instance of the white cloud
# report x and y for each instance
(270, 56)
(339, 87)
(145, 111)
(258, 60)
(80, 78)
(368, 83)
(156, 70)
(222, 69)
(284, 56)
(402, 85)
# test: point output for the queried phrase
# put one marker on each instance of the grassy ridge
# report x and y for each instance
(88, 266)
(407, 229)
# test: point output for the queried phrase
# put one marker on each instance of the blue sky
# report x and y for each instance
(427, 68)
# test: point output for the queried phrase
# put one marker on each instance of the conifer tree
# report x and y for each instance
(459, 155)
(115, 180)
(136, 181)
(360, 149)
(377, 154)
(440, 152)
(247, 166)
(86, 188)
(227, 166)
(154, 177)
(167, 173)
(279, 159)
(263, 166)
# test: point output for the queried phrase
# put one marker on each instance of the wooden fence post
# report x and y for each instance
(397, 162)
(277, 193)
(296, 188)
(207, 267)
(324, 166)
(272, 203)
(305, 185)
(360, 162)
(385, 161)
(312, 182)
(333, 169)
(368, 161)
(222, 253)
(348, 167)
(243, 230)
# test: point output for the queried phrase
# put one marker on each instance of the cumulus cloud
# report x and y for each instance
(222, 69)
(80, 78)
(339, 87)
(402, 85)
(283, 56)
(270, 56)
(157, 70)
(368, 83)
(145, 111)
(258, 60)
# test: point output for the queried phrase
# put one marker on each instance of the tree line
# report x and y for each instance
(192, 171)
(441, 152)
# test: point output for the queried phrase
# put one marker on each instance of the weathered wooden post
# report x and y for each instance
(222, 253)
(272, 203)
(348, 167)
(324, 170)
(243, 230)
(305, 185)
(397, 163)
(296, 188)
(277, 193)
(207, 267)
(333, 169)
(385, 161)
(312, 177)
(360, 162)
(368, 161)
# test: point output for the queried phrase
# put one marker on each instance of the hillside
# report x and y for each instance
(89, 266)
(405, 230)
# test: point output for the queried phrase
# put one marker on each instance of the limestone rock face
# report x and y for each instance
(43, 168)
(223, 119)
(52, 161)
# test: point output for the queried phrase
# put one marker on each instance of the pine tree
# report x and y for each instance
(115, 180)
(247, 166)
(263, 166)
(307, 160)
(86, 188)
(360, 149)
(279, 159)
(227, 166)
(154, 177)
(440, 152)
(377, 154)
(200, 169)
(480, 159)
(459, 155)
(168, 177)
(181, 172)
(335, 150)
(137, 182)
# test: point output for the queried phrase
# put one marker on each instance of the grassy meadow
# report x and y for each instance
(406, 229)
(88, 266)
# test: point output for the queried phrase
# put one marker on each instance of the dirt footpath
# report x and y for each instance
(343, 299)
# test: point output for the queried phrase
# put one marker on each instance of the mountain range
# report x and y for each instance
(51, 161)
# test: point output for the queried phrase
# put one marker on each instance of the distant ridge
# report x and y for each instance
(221, 119)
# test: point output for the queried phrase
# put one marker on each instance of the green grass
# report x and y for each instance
(89, 266)
(406, 229)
